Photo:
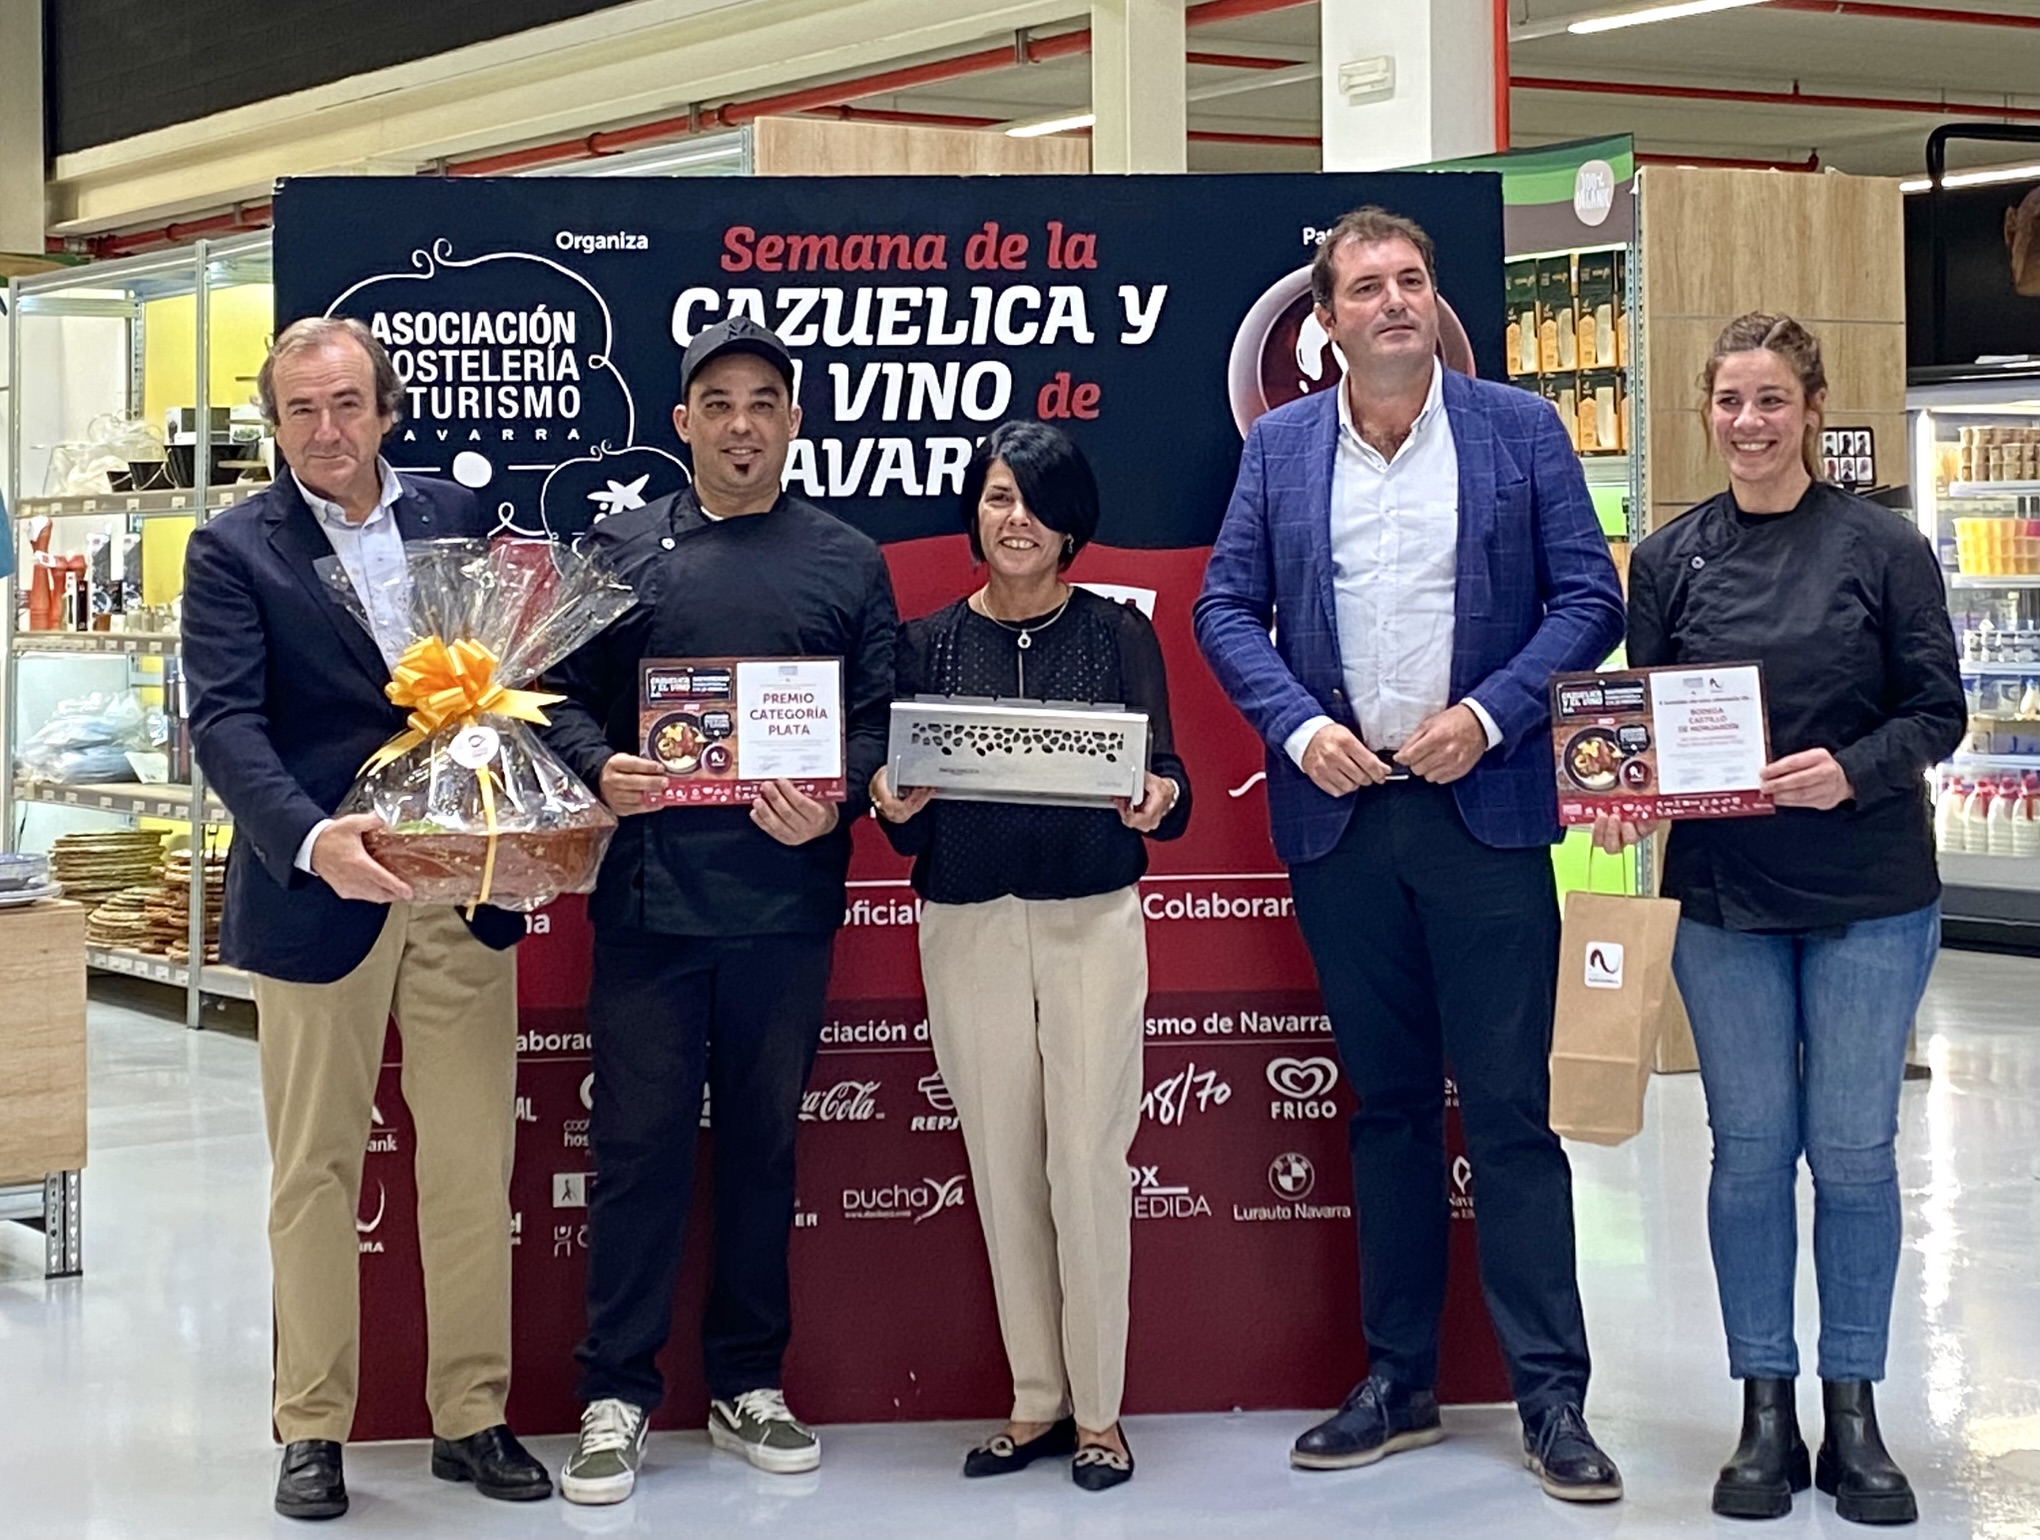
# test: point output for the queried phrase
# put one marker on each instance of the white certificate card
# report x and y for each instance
(790, 719)
(1709, 727)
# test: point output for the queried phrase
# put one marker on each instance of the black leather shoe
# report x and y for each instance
(309, 1485)
(1771, 1462)
(1099, 1468)
(1569, 1464)
(1854, 1468)
(998, 1455)
(1377, 1419)
(495, 1462)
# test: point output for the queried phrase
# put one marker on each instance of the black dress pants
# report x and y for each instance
(666, 1013)
(1431, 946)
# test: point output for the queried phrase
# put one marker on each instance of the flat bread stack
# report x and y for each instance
(122, 920)
(94, 867)
(168, 908)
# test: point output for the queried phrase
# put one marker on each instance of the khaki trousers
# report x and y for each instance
(455, 1002)
(1036, 1009)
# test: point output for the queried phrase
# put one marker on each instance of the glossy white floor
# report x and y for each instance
(132, 1402)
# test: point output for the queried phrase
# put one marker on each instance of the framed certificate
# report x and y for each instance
(1651, 743)
(722, 727)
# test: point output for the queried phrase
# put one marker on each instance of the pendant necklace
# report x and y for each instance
(1023, 636)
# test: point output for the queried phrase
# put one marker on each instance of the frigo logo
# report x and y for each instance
(1303, 1088)
(919, 1201)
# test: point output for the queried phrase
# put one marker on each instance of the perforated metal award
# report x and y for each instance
(1018, 751)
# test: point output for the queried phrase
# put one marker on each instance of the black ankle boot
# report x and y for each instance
(1853, 1468)
(1770, 1463)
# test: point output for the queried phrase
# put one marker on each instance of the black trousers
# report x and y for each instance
(1431, 946)
(666, 1013)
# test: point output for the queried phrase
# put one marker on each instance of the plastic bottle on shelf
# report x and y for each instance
(2026, 823)
(1976, 819)
(1951, 835)
(1998, 825)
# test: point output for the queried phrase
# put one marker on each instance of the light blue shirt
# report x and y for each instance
(372, 553)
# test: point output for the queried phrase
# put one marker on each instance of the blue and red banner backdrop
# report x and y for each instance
(538, 327)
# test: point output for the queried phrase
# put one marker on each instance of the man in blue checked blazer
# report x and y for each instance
(1405, 563)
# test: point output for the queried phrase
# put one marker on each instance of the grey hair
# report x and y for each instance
(321, 331)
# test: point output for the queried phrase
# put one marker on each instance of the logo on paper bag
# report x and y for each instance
(1604, 965)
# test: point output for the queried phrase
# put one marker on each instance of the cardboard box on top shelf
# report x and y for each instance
(1598, 310)
(1621, 310)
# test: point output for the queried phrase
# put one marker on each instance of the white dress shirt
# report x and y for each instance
(1395, 545)
(372, 553)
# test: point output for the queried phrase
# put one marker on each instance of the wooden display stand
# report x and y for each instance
(42, 1093)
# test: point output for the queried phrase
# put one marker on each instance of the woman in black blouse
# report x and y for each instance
(1034, 951)
(1806, 937)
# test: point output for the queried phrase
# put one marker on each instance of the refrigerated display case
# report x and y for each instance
(1975, 434)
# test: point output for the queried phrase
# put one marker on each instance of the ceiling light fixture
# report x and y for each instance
(1034, 128)
(1649, 14)
(1983, 178)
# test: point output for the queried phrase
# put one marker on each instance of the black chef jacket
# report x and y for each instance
(1843, 604)
(793, 581)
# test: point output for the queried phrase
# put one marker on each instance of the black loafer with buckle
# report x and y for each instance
(495, 1462)
(1099, 1467)
(309, 1484)
(999, 1455)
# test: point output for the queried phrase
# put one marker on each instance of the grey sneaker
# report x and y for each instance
(604, 1465)
(758, 1426)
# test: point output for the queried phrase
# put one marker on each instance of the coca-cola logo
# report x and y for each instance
(847, 1101)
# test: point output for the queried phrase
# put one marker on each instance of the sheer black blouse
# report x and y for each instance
(1097, 651)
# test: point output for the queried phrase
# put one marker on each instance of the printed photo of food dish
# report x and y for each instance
(676, 741)
(1593, 760)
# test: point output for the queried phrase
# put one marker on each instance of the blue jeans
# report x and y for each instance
(1802, 1048)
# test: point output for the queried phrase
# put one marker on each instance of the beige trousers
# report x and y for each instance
(321, 1045)
(1036, 1009)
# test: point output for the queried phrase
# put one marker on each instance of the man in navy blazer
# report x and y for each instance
(287, 702)
(1405, 562)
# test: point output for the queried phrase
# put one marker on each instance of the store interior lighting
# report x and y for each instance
(1982, 178)
(1061, 123)
(1619, 19)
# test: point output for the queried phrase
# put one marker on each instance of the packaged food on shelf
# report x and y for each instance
(1520, 287)
(477, 808)
(1598, 309)
(1558, 346)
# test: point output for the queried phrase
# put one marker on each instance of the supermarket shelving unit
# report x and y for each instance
(113, 301)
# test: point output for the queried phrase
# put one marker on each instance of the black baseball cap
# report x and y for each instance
(738, 334)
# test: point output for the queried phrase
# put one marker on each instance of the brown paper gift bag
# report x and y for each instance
(1614, 991)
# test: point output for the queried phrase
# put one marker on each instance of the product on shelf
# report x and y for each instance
(1997, 547)
(1557, 324)
(167, 909)
(121, 920)
(1598, 309)
(1520, 288)
(1999, 454)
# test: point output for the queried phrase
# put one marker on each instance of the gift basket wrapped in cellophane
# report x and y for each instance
(477, 810)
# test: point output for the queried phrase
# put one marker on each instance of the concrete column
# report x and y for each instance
(1137, 86)
(1406, 82)
(21, 127)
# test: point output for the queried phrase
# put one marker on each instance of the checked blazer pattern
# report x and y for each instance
(1535, 594)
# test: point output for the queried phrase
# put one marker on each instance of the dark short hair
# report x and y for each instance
(314, 332)
(1054, 478)
(1369, 226)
